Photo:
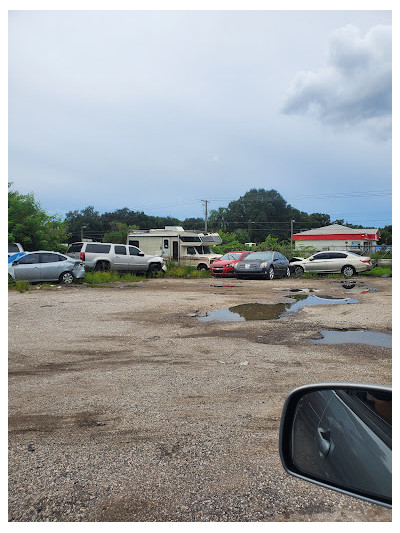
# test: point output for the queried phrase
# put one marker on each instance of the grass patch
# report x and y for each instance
(99, 278)
(379, 271)
(22, 286)
(174, 270)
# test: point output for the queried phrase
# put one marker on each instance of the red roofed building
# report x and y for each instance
(337, 237)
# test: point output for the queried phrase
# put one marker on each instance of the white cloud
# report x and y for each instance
(354, 87)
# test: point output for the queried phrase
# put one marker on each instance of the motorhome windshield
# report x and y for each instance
(203, 250)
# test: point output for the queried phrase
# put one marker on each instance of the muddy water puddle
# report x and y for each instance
(260, 311)
(372, 338)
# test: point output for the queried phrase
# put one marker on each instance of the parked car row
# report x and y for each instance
(245, 264)
(43, 265)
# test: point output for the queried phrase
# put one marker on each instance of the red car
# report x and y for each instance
(224, 265)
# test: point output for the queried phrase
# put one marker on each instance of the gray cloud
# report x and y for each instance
(354, 87)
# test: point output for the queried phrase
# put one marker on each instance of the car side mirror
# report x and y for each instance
(311, 259)
(339, 436)
(141, 254)
(15, 263)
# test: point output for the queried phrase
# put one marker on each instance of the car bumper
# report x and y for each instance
(222, 271)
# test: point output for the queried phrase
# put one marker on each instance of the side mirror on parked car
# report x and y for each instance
(339, 436)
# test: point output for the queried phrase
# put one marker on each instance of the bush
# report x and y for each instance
(22, 286)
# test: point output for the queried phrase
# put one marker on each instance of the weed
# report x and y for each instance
(99, 278)
(22, 286)
(174, 270)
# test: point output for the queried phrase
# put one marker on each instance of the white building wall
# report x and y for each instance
(336, 244)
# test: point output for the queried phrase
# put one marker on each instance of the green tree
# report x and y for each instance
(119, 233)
(31, 226)
(385, 235)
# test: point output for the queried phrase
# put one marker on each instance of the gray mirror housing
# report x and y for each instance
(339, 436)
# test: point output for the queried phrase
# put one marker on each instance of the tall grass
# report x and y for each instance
(175, 270)
(98, 278)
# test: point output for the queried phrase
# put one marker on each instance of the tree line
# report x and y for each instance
(256, 216)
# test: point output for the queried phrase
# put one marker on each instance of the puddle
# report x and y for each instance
(372, 338)
(258, 311)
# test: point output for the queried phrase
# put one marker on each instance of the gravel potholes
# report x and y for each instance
(123, 406)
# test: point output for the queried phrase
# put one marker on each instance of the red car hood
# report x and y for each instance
(224, 263)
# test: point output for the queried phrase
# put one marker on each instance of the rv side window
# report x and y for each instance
(133, 250)
(166, 244)
(134, 243)
(191, 250)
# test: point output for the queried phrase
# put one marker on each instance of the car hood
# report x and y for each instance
(220, 263)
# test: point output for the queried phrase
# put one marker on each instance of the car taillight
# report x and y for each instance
(365, 261)
(82, 256)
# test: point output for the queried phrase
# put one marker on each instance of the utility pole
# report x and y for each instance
(291, 232)
(82, 228)
(206, 215)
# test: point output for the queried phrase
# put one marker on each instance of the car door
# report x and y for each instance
(137, 263)
(50, 266)
(318, 263)
(121, 258)
(27, 268)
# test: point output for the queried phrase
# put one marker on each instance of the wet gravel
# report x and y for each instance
(123, 406)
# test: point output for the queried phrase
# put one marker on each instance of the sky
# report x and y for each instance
(159, 110)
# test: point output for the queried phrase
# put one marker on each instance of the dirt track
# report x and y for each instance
(123, 406)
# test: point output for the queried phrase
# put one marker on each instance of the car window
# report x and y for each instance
(191, 250)
(119, 249)
(98, 248)
(63, 257)
(322, 256)
(133, 250)
(75, 247)
(49, 258)
(30, 259)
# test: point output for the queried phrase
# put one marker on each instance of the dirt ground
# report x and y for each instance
(124, 406)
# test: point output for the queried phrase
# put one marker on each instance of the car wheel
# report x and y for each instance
(154, 269)
(102, 266)
(67, 278)
(298, 270)
(202, 266)
(271, 273)
(348, 271)
(288, 272)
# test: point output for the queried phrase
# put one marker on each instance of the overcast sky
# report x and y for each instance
(158, 110)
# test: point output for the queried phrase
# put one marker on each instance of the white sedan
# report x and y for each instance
(347, 263)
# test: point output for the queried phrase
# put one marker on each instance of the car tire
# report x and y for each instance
(154, 269)
(348, 271)
(298, 270)
(288, 272)
(67, 278)
(271, 273)
(202, 266)
(102, 266)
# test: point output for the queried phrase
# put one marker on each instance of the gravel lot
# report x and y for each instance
(124, 406)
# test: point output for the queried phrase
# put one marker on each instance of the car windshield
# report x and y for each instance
(265, 256)
(231, 256)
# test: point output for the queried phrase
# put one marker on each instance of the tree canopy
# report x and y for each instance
(31, 226)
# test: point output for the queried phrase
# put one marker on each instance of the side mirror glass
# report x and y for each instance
(339, 436)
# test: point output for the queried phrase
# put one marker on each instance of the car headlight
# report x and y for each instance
(229, 266)
(264, 265)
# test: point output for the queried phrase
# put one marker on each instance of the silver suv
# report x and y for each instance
(120, 257)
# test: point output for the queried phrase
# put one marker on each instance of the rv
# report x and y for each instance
(175, 243)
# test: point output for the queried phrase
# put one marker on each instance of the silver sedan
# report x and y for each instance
(332, 262)
(45, 266)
